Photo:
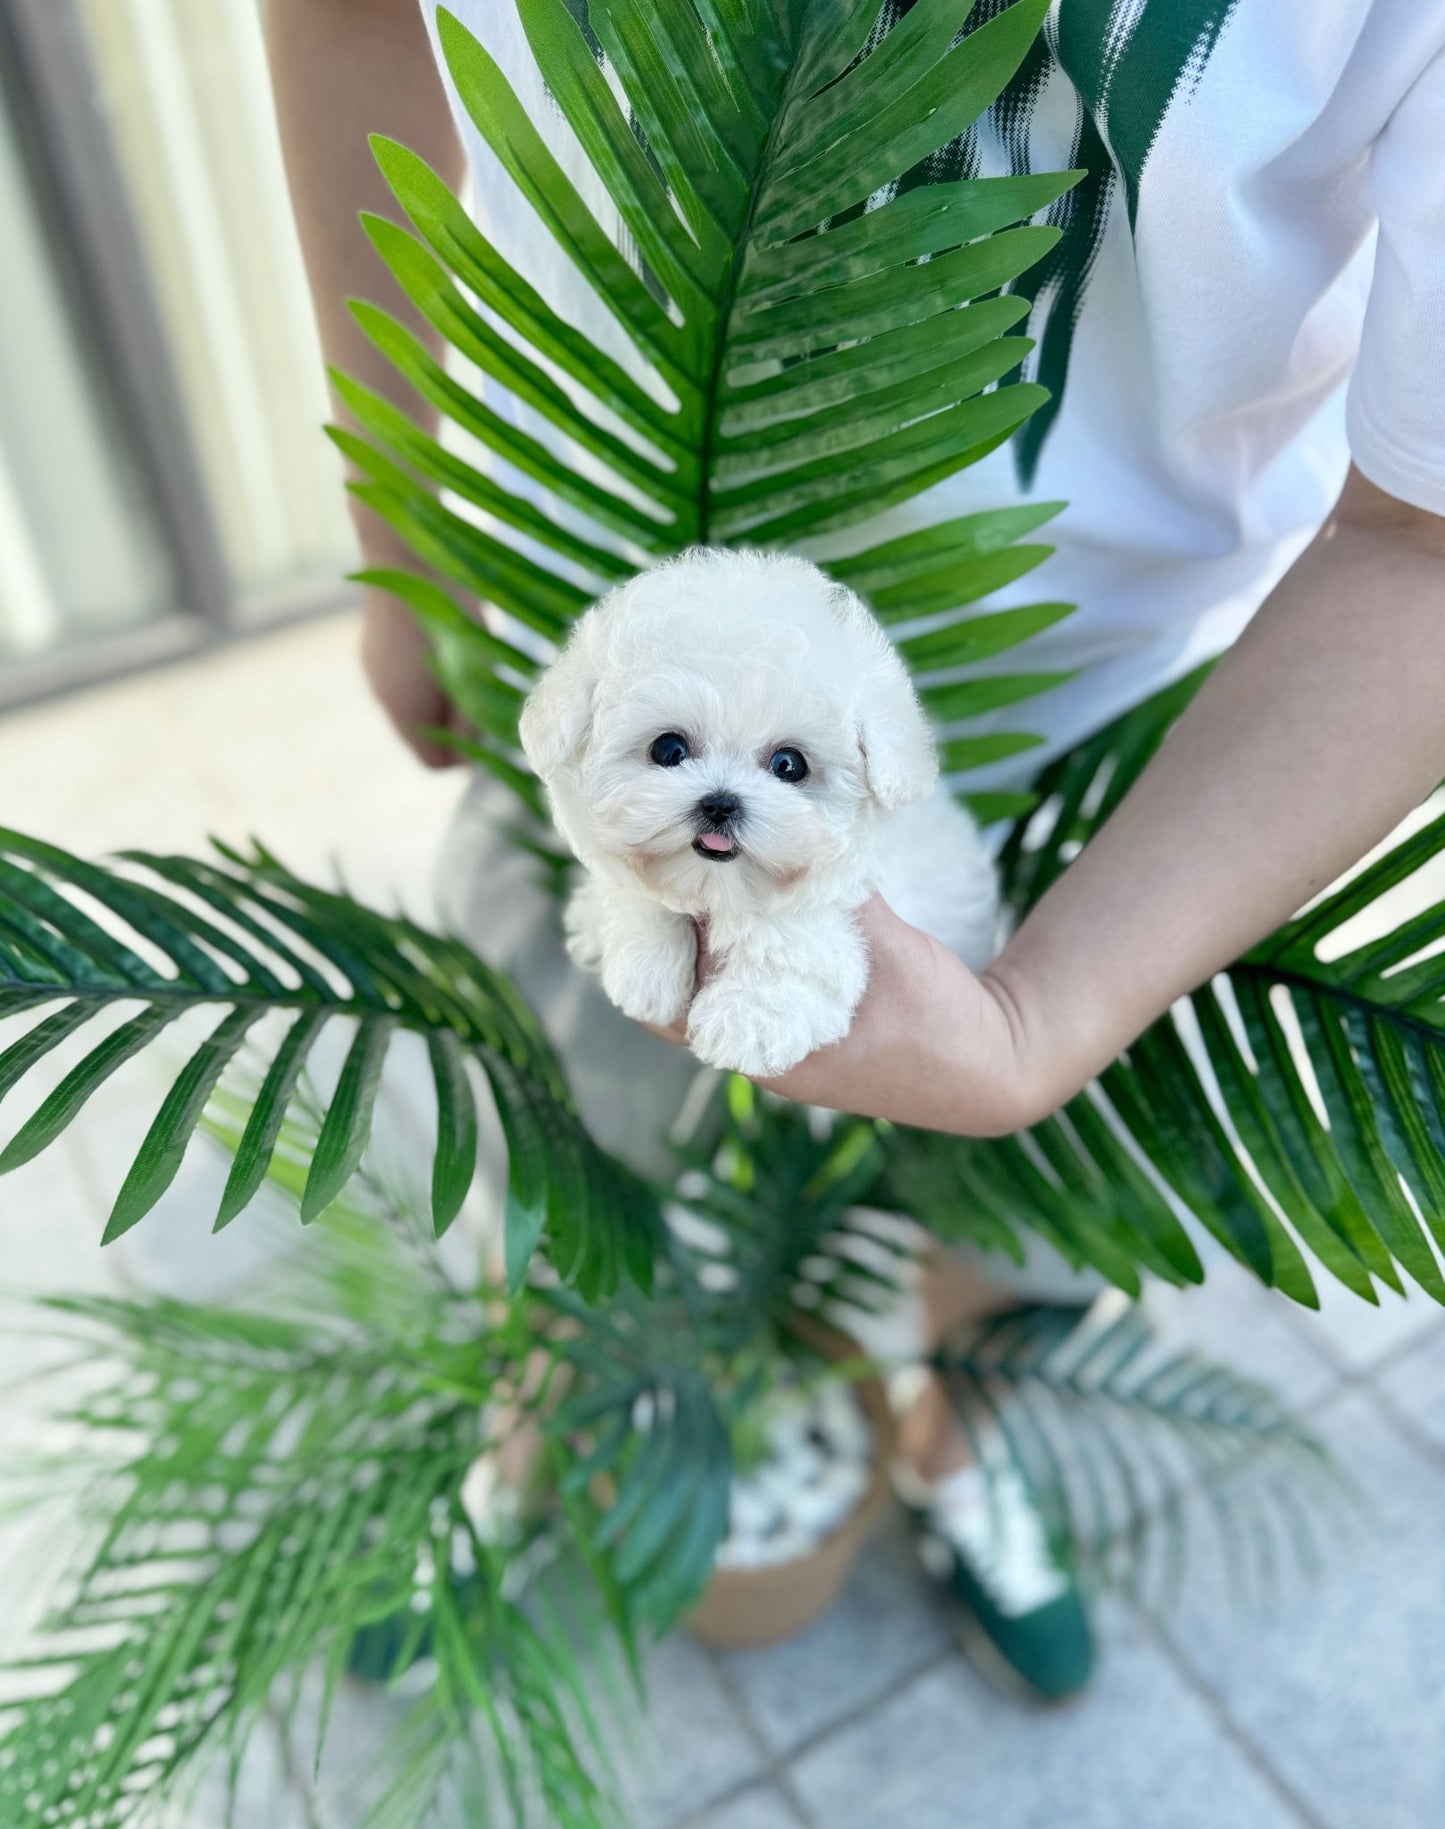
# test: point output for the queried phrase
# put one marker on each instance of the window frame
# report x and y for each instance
(48, 86)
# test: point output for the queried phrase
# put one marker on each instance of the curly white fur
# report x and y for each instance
(741, 655)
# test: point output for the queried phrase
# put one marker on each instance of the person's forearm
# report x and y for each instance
(341, 70)
(1315, 735)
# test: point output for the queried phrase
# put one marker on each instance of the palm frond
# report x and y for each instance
(279, 1497)
(773, 1193)
(650, 1456)
(1294, 1106)
(764, 372)
(265, 1492)
(1128, 1443)
(165, 936)
(447, 1762)
(762, 1225)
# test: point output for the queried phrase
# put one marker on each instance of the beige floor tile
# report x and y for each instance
(279, 738)
(104, 769)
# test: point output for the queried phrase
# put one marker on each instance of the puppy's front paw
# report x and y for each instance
(651, 984)
(763, 1032)
(645, 954)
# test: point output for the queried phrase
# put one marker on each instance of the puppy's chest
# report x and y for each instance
(734, 910)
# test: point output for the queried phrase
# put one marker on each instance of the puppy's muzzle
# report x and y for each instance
(718, 814)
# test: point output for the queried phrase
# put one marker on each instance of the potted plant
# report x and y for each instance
(489, 1492)
(784, 1257)
(266, 1485)
(810, 1475)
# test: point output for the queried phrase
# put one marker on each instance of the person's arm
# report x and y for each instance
(1320, 730)
(341, 70)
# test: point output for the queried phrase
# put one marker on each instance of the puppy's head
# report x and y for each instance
(724, 723)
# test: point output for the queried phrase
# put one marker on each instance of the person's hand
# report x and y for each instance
(932, 1044)
(394, 653)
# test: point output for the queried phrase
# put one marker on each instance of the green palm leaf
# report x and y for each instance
(1294, 1107)
(244, 938)
(642, 1417)
(261, 1492)
(1128, 1444)
(786, 376)
(779, 1196)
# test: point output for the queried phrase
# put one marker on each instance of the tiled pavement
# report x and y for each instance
(1322, 1710)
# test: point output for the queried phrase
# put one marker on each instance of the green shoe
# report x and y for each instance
(1019, 1613)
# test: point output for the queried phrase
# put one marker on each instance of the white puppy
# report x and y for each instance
(730, 740)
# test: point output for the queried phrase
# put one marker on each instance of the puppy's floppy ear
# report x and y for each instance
(900, 757)
(557, 716)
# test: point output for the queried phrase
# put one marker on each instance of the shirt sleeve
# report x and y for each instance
(1395, 412)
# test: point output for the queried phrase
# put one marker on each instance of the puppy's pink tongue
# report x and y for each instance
(715, 841)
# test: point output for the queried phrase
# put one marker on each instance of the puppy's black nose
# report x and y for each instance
(718, 808)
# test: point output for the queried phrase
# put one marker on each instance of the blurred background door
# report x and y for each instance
(164, 482)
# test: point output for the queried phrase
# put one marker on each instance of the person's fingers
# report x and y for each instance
(879, 925)
(394, 655)
(897, 952)
(900, 956)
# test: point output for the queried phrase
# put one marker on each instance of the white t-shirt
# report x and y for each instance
(1250, 290)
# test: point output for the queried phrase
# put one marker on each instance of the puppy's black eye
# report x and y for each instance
(788, 764)
(669, 749)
